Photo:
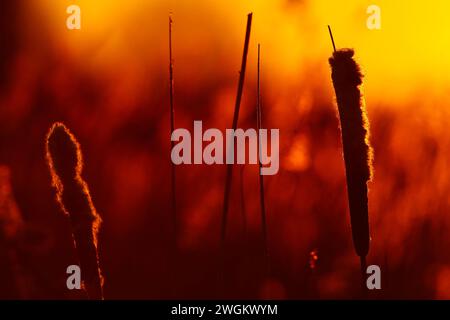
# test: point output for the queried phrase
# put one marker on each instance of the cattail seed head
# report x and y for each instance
(65, 162)
(347, 79)
(64, 153)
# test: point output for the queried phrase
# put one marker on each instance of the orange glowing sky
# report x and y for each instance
(408, 54)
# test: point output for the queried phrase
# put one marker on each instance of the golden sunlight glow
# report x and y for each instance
(409, 52)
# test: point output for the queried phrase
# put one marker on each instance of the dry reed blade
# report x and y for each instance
(65, 162)
(234, 126)
(347, 79)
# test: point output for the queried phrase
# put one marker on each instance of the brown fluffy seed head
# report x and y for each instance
(345, 70)
(347, 79)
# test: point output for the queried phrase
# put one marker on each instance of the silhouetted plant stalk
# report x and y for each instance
(234, 126)
(172, 128)
(347, 79)
(261, 177)
(229, 172)
(65, 161)
(243, 206)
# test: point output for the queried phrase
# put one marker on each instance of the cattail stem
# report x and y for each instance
(234, 126)
(347, 78)
(261, 177)
(243, 206)
(66, 163)
(363, 264)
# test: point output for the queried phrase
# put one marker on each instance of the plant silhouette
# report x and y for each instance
(72, 193)
(347, 78)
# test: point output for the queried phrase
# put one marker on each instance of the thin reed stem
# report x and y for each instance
(172, 128)
(261, 177)
(237, 107)
(229, 173)
(243, 206)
